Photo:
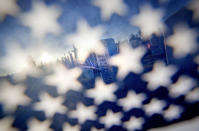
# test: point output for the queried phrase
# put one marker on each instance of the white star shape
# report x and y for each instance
(132, 100)
(36, 125)
(149, 21)
(12, 95)
(111, 119)
(134, 123)
(83, 113)
(183, 41)
(173, 112)
(32, 70)
(159, 76)
(8, 7)
(68, 127)
(86, 40)
(6, 124)
(182, 86)
(194, 7)
(50, 105)
(131, 57)
(42, 19)
(64, 79)
(193, 95)
(101, 88)
(154, 107)
(11, 62)
(109, 7)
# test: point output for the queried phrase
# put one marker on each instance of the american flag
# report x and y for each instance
(89, 65)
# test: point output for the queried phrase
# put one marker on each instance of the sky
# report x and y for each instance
(117, 27)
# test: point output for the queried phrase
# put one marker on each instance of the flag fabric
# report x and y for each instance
(117, 65)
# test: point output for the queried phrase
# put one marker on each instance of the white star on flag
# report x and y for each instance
(42, 19)
(149, 21)
(109, 7)
(159, 76)
(132, 100)
(131, 57)
(183, 41)
(173, 112)
(83, 113)
(182, 86)
(111, 119)
(102, 88)
(12, 95)
(134, 123)
(17, 60)
(50, 105)
(64, 79)
(154, 107)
